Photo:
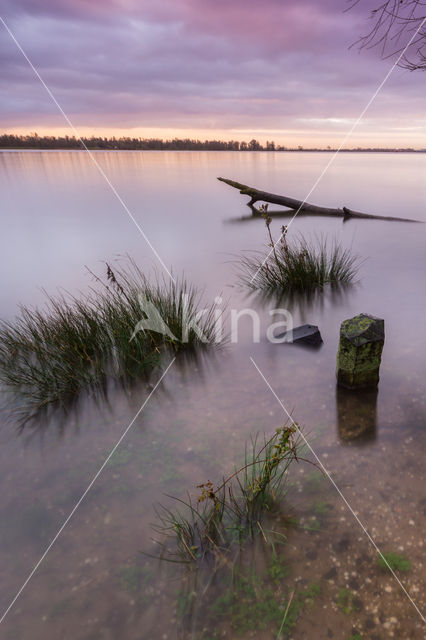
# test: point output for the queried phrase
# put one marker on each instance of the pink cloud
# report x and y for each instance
(238, 63)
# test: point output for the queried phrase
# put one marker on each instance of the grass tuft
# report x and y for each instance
(50, 355)
(347, 601)
(395, 561)
(208, 534)
(209, 527)
(251, 605)
(299, 266)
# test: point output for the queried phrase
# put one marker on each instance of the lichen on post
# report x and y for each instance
(360, 351)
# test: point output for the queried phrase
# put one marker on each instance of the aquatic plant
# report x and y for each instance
(396, 561)
(50, 355)
(347, 601)
(321, 508)
(277, 569)
(299, 266)
(314, 482)
(209, 533)
(233, 510)
(133, 577)
(251, 604)
(242, 598)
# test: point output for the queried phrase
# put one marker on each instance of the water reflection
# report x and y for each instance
(356, 415)
(191, 432)
(304, 302)
(20, 412)
(18, 409)
(281, 213)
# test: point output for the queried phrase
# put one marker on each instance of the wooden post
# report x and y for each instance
(360, 351)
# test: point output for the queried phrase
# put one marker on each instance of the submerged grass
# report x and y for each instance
(211, 534)
(252, 605)
(50, 355)
(300, 266)
(221, 517)
(243, 603)
(396, 561)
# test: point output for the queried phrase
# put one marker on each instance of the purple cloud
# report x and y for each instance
(198, 65)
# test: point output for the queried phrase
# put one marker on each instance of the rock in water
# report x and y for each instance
(360, 351)
(307, 333)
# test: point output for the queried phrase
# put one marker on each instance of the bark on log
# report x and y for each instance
(305, 208)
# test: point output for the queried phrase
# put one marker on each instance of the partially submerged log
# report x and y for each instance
(300, 206)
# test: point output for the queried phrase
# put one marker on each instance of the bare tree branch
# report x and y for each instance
(394, 22)
(300, 207)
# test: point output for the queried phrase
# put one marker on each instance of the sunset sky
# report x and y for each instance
(232, 69)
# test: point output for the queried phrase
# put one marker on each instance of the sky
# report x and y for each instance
(279, 70)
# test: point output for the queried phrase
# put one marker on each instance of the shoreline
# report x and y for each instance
(49, 149)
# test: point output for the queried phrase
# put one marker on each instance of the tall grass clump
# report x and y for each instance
(49, 355)
(299, 266)
(225, 538)
(210, 525)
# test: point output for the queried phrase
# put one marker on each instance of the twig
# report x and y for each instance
(285, 615)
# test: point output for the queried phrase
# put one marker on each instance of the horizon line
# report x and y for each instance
(67, 142)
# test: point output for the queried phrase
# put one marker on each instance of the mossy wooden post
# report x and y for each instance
(360, 351)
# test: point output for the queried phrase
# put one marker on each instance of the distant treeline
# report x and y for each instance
(34, 141)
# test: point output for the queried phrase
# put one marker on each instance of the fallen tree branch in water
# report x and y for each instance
(300, 206)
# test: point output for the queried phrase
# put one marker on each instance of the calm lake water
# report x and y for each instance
(59, 216)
